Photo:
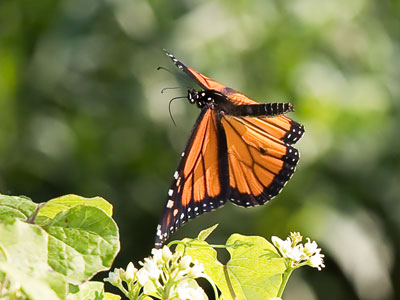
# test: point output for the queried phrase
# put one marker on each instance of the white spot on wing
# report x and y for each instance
(170, 203)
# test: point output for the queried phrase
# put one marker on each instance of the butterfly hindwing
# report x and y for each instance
(260, 163)
(197, 186)
(286, 129)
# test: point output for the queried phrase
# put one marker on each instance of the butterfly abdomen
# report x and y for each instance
(263, 110)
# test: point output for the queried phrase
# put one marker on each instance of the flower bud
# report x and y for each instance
(130, 272)
(185, 261)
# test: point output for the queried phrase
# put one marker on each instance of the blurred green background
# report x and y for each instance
(81, 112)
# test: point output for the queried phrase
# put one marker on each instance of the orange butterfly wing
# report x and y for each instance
(260, 157)
(260, 163)
(197, 186)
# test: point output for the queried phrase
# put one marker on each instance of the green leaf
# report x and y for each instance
(35, 288)
(80, 239)
(254, 270)
(110, 296)
(54, 206)
(83, 241)
(90, 290)
(207, 255)
(25, 261)
(203, 235)
(13, 207)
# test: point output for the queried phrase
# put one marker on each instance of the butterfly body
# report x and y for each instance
(238, 150)
(221, 104)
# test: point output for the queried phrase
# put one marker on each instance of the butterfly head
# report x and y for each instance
(204, 98)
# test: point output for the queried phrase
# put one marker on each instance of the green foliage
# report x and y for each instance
(90, 290)
(54, 206)
(204, 234)
(15, 207)
(49, 249)
(254, 270)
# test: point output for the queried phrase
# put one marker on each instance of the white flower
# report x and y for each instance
(142, 276)
(310, 247)
(152, 269)
(316, 261)
(187, 292)
(197, 270)
(157, 255)
(130, 272)
(184, 262)
(114, 276)
(164, 274)
(297, 253)
(283, 246)
(166, 254)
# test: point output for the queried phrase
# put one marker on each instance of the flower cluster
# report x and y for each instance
(11, 289)
(299, 254)
(164, 275)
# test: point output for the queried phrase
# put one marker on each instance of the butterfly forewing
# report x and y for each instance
(197, 187)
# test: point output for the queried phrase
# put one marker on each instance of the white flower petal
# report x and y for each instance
(187, 292)
(276, 241)
(317, 261)
(166, 254)
(151, 268)
(157, 255)
(197, 270)
(113, 277)
(130, 271)
(185, 261)
(142, 276)
(310, 247)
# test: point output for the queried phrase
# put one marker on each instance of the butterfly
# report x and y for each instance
(238, 150)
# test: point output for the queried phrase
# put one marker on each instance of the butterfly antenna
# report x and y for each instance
(169, 88)
(165, 69)
(169, 107)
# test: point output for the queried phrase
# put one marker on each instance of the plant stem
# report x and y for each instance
(31, 219)
(165, 295)
(285, 279)
(229, 283)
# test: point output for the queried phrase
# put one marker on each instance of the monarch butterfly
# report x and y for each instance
(238, 150)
